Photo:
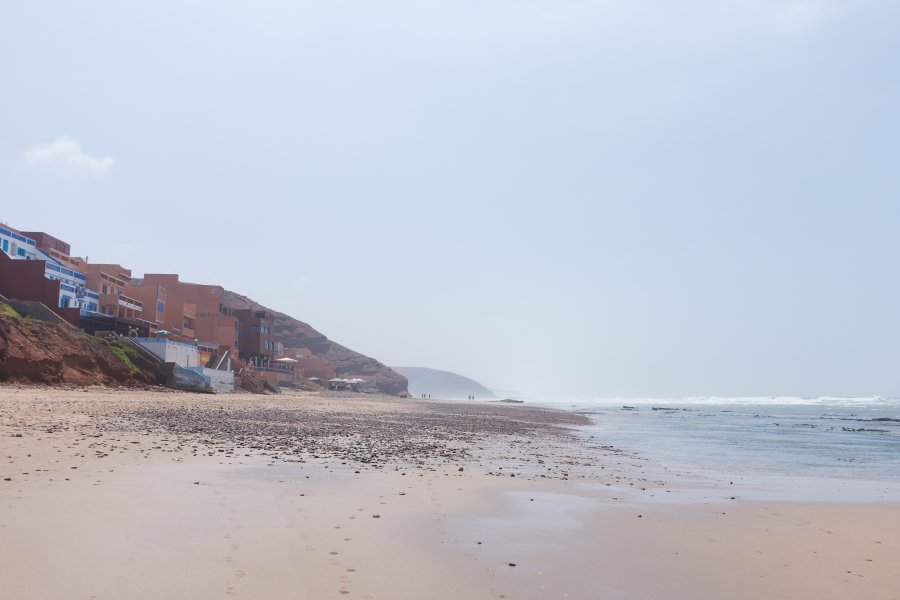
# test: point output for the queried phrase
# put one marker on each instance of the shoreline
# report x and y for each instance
(96, 508)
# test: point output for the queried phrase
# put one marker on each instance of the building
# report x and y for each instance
(48, 242)
(310, 365)
(111, 281)
(72, 290)
(188, 366)
(256, 339)
(26, 280)
(191, 310)
(16, 245)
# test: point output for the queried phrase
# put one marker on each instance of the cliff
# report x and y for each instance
(33, 351)
(347, 363)
(443, 384)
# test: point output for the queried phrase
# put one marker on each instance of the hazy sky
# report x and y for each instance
(621, 197)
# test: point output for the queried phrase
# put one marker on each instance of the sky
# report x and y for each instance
(569, 198)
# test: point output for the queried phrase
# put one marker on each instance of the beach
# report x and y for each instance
(109, 493)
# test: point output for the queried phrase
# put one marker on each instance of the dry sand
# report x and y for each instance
(123, 494)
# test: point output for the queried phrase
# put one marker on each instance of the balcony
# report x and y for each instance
(131, 303)
(121, 305)
(189, 313)
(188, 333)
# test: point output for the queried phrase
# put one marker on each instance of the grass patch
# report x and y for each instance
(8, 311)
(127, 355)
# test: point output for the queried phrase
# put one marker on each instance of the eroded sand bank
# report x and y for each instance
(115, 494)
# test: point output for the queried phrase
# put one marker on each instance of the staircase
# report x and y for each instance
(251, 383)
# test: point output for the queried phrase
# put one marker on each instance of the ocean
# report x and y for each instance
(754, 438)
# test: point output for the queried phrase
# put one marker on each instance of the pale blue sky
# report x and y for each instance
(572, 198)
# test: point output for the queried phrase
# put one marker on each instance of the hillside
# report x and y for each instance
(347, 363)
(443, 384)
(33, 351)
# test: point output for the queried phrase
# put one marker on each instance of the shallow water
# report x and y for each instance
(828, 438)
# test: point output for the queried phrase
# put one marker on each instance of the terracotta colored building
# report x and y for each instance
(111, 281)
(309, 364)
(48, 242)
(192, 310)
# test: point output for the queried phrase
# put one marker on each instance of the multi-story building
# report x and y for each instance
(193, 311)
(256, 340)
(16, 245)
(47, 242)
(73, 289)
(27, 274)
(311, 366)
(111, 281)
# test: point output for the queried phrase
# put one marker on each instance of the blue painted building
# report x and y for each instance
(16, 245)
(73, 290)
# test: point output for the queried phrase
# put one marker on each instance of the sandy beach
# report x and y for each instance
(146, 494)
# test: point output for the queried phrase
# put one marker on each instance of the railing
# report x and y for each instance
(286, 371)
(131, 303)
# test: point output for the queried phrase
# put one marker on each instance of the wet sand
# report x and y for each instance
(123, 494)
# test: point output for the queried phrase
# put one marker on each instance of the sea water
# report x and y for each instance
(755, 437)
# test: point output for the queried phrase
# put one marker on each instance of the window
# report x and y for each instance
(160, 307)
